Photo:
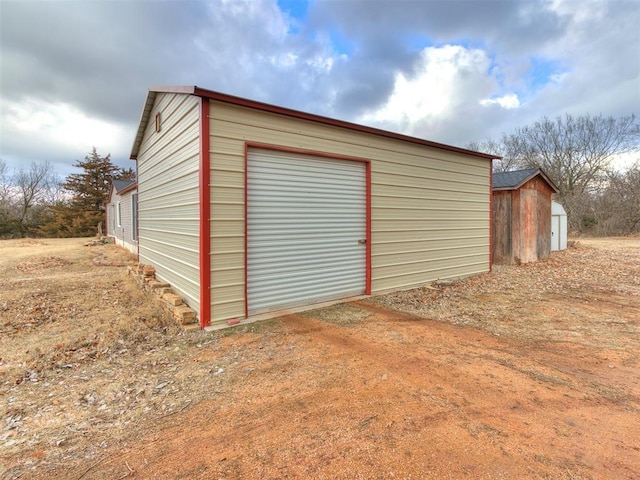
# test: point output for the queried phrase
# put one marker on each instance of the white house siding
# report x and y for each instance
(168, 225)
(126, 228)
(111, 218)
(123, 233)
(429, 207)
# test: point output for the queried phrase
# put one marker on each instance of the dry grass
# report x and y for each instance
(91, 373)
(546, 300)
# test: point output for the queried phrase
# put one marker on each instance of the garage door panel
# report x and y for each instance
(306, 219)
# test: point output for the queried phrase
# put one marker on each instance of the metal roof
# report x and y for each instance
(222, 97)
(515, 179)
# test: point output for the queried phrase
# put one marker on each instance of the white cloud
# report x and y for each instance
(59, 123)
(59, 129)
(509, 101)
(487, 67)
(447, 78)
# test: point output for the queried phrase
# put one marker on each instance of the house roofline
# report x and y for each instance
(244, 102)
(131, 186)
(535, 173)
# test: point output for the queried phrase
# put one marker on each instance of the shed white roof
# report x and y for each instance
(557, 209)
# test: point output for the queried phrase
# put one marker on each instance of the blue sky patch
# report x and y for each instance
(296, 8)
(341, 43)
(541, 72)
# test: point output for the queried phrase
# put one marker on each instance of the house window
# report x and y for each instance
(119, 215)
(134, 216)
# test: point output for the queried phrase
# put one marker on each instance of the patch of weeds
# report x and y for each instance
(543, 459)
(476, 429)
(609, 392)
(342, 314)
(263, 326)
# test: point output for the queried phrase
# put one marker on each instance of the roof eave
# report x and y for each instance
(546, 178)
(222, 97)
(534, 174)
(142, 124)
(128, 188)
(230, 99)
(549, 181)
(111, 190)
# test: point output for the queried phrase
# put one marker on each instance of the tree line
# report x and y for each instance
(35, 202)
(577, 153)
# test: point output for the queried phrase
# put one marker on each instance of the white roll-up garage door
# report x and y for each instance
(306, 229)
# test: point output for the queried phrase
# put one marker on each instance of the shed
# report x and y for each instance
(521, 216)
(558, 227)
(121, 211)
(247, 208)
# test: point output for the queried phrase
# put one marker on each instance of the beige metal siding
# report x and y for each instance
(168, 180)
(430, 207)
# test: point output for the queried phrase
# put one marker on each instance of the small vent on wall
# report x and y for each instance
(157, 122)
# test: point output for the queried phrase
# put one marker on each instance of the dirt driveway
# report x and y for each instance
(531, 371)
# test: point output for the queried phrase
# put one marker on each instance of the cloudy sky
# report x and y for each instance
(74, 74)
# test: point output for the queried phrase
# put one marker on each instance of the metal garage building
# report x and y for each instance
(247, 208)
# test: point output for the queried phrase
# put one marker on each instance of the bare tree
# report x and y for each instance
(512, 149)
(576, 152)
(7, 223)
(617, 205)
(4, 183)
(25, 194)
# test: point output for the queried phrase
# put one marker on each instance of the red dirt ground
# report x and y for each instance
(499, 376)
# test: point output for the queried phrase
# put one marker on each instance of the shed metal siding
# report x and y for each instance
(168, 206)
(430, 207)
(558, 227)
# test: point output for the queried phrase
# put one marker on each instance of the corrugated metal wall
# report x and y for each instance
(558, 227)
(430, 207)
(168, 163)
(306, 229)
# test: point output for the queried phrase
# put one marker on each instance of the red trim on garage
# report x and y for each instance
(205, 216)
(491, 216)
(314, 153)
(246, 230)
(367, 290)
(244, 102)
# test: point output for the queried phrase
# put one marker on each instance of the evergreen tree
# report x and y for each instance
(126, 174)
(91, 187)
(80, 216)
